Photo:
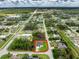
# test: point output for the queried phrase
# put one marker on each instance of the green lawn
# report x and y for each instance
(23, 56)
(7, 56)
(42, 56)
(44, 48)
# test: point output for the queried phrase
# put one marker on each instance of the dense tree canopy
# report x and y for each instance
(21, 44)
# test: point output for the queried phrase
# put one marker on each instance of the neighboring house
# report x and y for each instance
(28, 36)
(3, 36)
(61, 45)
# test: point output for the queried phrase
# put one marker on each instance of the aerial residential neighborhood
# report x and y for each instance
(39, 34)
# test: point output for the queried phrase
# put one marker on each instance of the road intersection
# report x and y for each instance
(4, 50)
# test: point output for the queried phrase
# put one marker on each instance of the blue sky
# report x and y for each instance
(44, 3)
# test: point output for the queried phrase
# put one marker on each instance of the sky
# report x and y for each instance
(42, 3)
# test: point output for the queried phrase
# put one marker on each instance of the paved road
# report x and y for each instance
(49, 52)
(4, 50)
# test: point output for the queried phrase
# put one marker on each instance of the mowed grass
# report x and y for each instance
(44, 48)
(42, 56)
(69, 43)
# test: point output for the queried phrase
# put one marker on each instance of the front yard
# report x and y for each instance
(41, 45)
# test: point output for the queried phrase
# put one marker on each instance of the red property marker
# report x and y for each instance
(40, 41)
